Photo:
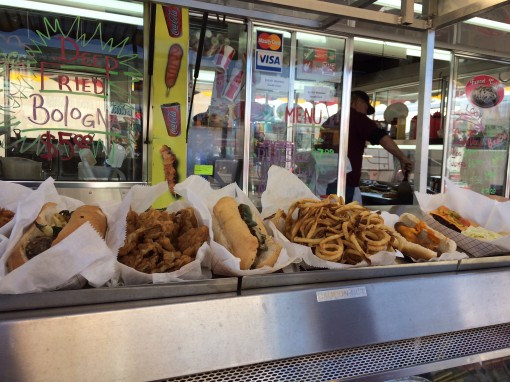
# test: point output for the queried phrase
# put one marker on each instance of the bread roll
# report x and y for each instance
(234, 233)
(422, 242)
(40, 235)
(92, 214)
(19, 254)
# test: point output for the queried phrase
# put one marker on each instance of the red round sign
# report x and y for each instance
(484, 91)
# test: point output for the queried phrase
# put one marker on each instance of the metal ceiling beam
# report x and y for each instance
(317, 6)
(454, 11)
(233, 8)
(332, 20)
(362, 3)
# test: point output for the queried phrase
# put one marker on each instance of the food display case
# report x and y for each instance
(415, 321)
(374, 324)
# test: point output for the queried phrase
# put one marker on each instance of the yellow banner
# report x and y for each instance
(170, 98)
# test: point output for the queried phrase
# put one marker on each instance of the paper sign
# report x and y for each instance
(317, 93)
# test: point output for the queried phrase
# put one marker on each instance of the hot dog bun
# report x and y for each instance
(40, 235)
(423, 242)
(92, 214)
(231, 231)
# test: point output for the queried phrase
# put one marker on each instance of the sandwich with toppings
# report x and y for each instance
(243, 234)
(424, 242)
(51, 227)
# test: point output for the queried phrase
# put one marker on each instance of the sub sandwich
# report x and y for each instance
(51, 227)
(243, 234)
(423, 242)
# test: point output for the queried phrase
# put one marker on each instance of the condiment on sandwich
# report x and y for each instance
(451, 219)
(424, 242)
(243, 234)
(51, 227)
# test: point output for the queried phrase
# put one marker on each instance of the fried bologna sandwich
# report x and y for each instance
(51, 227)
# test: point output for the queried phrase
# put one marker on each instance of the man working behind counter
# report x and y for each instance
(361, 130)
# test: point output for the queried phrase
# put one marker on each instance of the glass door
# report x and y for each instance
(296, 86)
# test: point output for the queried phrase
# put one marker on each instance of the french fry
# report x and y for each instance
(338, 232)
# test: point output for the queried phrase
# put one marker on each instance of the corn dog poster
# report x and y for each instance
(170, 99)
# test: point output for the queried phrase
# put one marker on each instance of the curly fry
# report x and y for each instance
(335, 231)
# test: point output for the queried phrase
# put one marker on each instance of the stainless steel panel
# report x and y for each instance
(380, 362)
(453, 11)
(68, 298)
(165, 338)
(324, 276)
(484, 263)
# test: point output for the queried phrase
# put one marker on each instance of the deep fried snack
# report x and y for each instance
(169, 166)
(5, 216)
(335, 231)
(159, 241)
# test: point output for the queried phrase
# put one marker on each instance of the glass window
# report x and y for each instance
(216, 132)
(290, 101)
(477, 155)
(71, 106)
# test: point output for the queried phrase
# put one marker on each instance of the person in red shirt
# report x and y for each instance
(361, 130)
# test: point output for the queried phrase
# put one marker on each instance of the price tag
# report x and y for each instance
(203, 169)
(341, 294)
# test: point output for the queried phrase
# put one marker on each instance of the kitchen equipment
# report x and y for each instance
(87, 172)
(404, 190)
(396, 114)
(17, 168)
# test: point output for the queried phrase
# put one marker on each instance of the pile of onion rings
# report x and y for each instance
(337, 232)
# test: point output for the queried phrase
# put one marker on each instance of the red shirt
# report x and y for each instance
(361, 130)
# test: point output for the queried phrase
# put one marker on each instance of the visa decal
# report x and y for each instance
(268, 61)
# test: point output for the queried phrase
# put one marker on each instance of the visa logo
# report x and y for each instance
(269, 61)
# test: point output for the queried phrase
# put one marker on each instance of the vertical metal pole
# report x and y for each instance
(345, 111)
(423, 123)
(450, 108)
(292, 79)
(247, 105)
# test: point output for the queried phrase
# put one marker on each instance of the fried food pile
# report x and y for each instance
(5, 216)
(159, 241)
(337, 232)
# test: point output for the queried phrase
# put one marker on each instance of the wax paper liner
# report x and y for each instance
(284, 188)
(81, 257)
(11, 194)
(58, 267)
(198, 192)
(487, 212)
(139, 199)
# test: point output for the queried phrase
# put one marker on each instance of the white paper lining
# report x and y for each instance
(80, 253)
(139, 199)
(488, 213)
(198, 192)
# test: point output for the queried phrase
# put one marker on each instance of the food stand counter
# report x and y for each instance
(366, 324)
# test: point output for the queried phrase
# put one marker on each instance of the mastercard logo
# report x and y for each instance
(269, 41)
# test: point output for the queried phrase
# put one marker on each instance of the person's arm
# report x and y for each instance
(390, 146)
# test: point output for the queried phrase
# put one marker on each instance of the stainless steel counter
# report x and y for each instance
(308, 323)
